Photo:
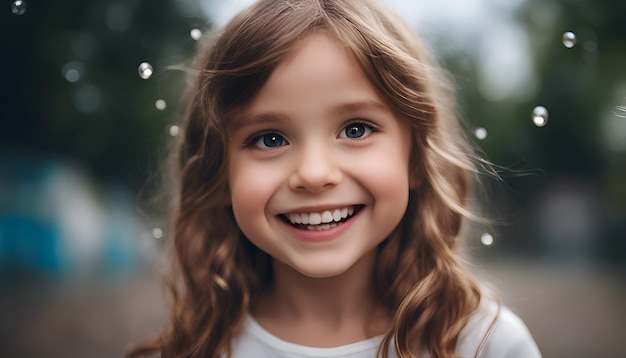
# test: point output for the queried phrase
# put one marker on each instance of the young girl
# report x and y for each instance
(323, 185)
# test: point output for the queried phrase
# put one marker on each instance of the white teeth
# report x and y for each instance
(321, 227)
(315, 219)
(331, 217)
(327, 216)
(337, 215)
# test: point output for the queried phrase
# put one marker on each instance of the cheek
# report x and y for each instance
(251, 187)
(387, 170)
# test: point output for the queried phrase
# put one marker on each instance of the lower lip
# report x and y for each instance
(321, 235)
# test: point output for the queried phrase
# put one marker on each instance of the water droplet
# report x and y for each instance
(196, 34)
(540, 116)
(145, 70)
(18, 7)
(486, 239)
(480, 133)
(160, 104)
(174, 130)
(157, 233)
(569, 39)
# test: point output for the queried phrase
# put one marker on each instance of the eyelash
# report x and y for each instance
(369, 126)
(252, 141)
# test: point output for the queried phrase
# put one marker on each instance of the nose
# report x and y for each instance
(315, 169)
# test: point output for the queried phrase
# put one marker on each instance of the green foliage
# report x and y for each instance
(121, 134)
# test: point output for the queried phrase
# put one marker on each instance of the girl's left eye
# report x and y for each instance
(356, 131)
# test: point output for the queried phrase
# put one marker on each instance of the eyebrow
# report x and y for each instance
(246, 120)
(350, 107)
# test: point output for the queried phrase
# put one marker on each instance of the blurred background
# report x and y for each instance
(85, 129)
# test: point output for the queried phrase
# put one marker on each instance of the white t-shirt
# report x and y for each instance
(509, 338)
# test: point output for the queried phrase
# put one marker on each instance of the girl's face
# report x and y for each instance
(318, 165)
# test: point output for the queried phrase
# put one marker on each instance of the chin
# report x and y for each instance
(322, 270)
(321, 273)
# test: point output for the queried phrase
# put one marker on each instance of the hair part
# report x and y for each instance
(419, 276)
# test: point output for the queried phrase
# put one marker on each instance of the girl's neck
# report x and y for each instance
(297, 305)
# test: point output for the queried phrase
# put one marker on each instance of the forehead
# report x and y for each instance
(318, 71)
(315, 57)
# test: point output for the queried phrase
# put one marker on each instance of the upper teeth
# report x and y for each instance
(323, 217)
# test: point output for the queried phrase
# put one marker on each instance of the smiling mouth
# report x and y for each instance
(322, 220)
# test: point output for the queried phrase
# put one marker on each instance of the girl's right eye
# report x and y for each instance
(268, 141)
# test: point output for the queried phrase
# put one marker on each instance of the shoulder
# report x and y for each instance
(495, 331)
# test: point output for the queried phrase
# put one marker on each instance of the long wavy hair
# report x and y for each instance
(218, 272)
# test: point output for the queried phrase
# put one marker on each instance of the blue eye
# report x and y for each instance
(269, 140)
(356, 130)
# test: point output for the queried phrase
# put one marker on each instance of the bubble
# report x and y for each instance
(18, 7)
(569, 39)
(145, 70)
(160, 104)
(174, 130)
(486, 239)
(480, 133)
(196, 34)
(540, 116)
(157, 233)
(72, 75)
(73, 71)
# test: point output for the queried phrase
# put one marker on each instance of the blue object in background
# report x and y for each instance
(56, 220)
(28, 245)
